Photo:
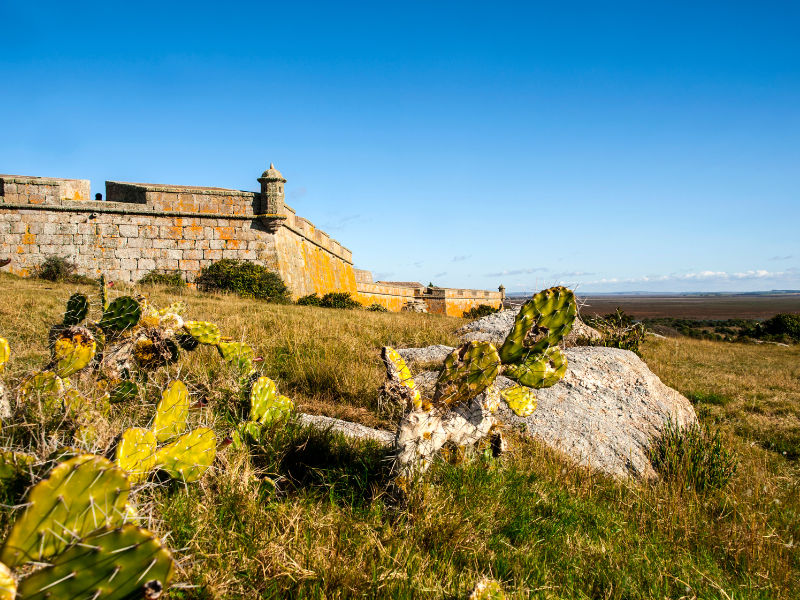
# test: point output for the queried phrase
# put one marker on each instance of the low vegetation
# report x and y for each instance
(343, 300)
(477, 312)
(303, 514)
(245, 278)
(167, 278)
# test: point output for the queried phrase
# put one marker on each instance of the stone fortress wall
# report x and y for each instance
(143, 227)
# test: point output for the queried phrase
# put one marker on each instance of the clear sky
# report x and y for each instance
(619, 146)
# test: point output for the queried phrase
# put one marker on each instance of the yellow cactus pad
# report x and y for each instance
(396, 368)
(136, 453)
(8, 587)
(172, 412)
(521, 400)
(73, 350)
(203, 332)
(188, 457)
(176, 308)
(5, 353)
(238, 354)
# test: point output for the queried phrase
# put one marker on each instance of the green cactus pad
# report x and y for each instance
(5, 353)
(188, 457)
(14, 463)
(520, 399)
(46, 386)
(266, 405)
(468, 371)
(110, 564)
(542, 323)
(80, 495)
(203, 332)
(73, 350)
(397, 370)
(172, 412)
(123, 391)
(77, 309)
(136, 453)
(249, 431)
(539, 370)
(237, 354)
(103, 292)
(8, 586)
(123, 313)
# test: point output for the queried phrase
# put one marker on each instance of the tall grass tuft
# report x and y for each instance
(692, 457)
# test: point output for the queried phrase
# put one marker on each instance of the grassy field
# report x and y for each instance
(305, 515)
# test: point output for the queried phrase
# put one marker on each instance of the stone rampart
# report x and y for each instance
(147, 227)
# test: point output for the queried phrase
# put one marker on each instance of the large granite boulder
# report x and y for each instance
(495, 327)
(603, 413)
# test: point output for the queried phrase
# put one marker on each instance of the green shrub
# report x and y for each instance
(783, 324)
(477, 312)
(61, 270)
(692, 457)
(618, 330)
(247, 279)
(339, 300)
(168, 278)
(310, 300)
(375, 307)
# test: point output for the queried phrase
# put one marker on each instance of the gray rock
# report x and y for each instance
(603, 414)
(352, 430)
(496, 327)
(431, 354)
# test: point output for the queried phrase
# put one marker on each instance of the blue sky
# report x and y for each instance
(618, 146)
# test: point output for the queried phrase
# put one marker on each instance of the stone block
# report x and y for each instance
(167, 264)
(129, 264)
(189, 265)
(147, 264)
(212, 254)
(175, 254)
(129, 230)
(185, 244)
(159, 243)
(192, 254)
(216, 244)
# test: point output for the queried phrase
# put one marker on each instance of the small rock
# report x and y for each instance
(353, 430)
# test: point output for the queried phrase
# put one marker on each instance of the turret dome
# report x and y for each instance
(272, 173)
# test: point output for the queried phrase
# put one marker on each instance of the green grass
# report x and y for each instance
(307, 515)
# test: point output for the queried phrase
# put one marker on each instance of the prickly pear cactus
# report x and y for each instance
(5, 353)
(399, 377)
(203, 332)
(103, 293)
(8, 586)
(73, 350)
(542, 323)
(521, 400)
(136, 453)
(123, 390)
(237, 354)
(123, 313)
(14, 463)
(188, 457)
(172, 412)
(113, 563)
(80, 495)
(249, 431)
(540, 370)
(77, 309)
(45, 385)
(266, 404)
(468, 371)
(487, 589)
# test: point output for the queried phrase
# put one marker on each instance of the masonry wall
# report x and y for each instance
(166, 228)
(391, 297)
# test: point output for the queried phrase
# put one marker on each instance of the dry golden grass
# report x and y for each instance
(305, 515)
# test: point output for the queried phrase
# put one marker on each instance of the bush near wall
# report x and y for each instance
(168, 278)
(61, 270)
(480, 311)
(247, 279)
(330, 300)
